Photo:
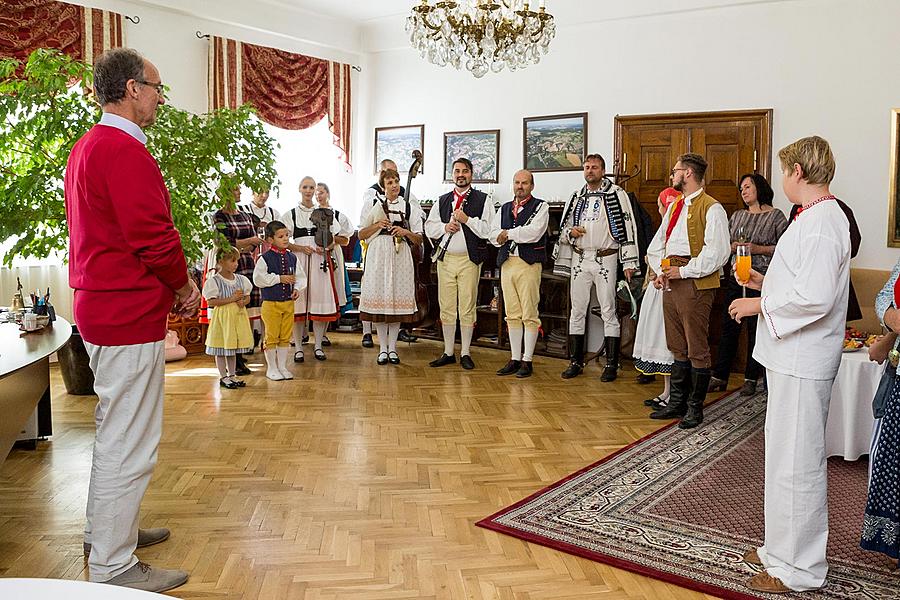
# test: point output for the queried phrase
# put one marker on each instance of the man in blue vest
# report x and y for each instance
(459, 225)
(519, 230)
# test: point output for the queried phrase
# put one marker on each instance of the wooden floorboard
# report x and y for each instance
(352, 481)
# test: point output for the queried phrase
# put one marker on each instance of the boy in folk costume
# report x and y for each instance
(280, 282)
(460, 225)
(520, 231)
(598, 228)
(799, 338)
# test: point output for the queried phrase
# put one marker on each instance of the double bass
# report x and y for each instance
(418, 253)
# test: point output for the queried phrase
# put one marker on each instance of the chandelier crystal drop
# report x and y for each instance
(481, 35)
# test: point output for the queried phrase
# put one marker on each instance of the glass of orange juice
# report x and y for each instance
(742, 266)
(664, 264)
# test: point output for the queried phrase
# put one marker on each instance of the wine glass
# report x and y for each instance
(742, 267)
(664, 264)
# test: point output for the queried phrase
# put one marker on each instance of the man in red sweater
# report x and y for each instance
(128, 270)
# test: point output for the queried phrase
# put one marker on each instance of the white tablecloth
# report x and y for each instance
(848, 432)
(57, 589)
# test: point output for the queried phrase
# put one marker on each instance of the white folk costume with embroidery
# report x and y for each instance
(320, 299)
(799, 338)
(609, 237)
(388, 289)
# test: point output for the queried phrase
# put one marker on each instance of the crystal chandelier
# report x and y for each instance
(481, 35)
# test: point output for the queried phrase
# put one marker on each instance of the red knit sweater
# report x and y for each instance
(125, 255)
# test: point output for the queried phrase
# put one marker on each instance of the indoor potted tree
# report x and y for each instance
(46, 106)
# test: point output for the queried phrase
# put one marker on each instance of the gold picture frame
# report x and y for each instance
(894, 197)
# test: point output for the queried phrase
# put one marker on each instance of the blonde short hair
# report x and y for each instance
(814, 156)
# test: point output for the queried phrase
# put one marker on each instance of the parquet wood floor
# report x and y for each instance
(352, 481)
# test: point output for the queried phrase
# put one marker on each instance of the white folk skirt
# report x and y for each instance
(388, 290)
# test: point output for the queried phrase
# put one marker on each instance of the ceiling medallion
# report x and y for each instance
(482, 35)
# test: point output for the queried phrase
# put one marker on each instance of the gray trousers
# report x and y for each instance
(128, 381)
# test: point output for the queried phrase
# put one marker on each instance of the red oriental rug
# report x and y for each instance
(684, 506)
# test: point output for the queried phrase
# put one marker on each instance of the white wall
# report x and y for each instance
(826, 67)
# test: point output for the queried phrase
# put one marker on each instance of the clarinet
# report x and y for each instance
(440, 250)
(514, 245)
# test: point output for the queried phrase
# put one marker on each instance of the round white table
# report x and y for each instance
(848, 432)
(54, 589)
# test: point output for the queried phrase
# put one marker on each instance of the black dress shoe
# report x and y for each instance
(367, 341)
(644, 379)
(319, 354)
(305, 340)
(243, 370)
(654, 403)
(510, 368)
(407, 337)
(573, 370)
(466, 362)
(298, 356)
(394, 358)
(443, 359)
(227, 382)
(240, 383)
(382, 358)
(525, 370)
(326, 341)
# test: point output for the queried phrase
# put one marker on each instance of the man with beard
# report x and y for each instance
(694, 242)
(459, 257)
(373, 194)
(598, 227)
(519, 230)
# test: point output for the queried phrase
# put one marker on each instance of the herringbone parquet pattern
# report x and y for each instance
(352, 481)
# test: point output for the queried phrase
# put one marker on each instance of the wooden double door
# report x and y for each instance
(733, 143)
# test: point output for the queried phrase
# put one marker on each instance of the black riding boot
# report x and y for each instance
(700, 383)
(612, 359)
(680, 389)
(576, 357)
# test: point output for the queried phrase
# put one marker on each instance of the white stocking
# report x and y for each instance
(319, 328)
(382, 330)
(393, 334)
(449, 338)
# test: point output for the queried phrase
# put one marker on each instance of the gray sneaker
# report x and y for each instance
(146, 537)
(144, 577)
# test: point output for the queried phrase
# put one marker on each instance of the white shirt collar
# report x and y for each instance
(687, 199)
(129, 127)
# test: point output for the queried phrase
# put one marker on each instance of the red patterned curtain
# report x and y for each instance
(290, 91)
(82, 33)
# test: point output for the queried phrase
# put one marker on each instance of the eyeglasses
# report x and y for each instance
(672, 172)
(159, 87)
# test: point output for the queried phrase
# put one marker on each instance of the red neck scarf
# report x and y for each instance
(676, 212)
(517, 206)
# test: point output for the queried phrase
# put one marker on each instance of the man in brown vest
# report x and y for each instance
(694, 242)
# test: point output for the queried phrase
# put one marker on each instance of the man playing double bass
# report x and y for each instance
(459, 225)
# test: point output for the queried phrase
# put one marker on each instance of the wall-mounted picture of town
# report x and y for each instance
(397, 144)
(481, 147)
(555, 142)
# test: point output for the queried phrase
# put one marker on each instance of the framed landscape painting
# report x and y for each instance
(894, 186)
(480, 147)
(555, 142)
(397, 144)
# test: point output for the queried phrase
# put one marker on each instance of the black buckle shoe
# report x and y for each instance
(382, 358)
(298, 356)
(367, 341)
(319, 354)
(405, 336)
(393, 357)
(511, 367)
(525, 370)
(443, 359)
(227, 382)
(466, 362)
(573, 370)
(325, 341)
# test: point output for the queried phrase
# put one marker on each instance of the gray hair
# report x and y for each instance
(112, 70)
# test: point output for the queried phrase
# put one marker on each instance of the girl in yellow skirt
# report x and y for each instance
(229, 333)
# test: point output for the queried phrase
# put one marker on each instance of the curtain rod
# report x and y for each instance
(135, 19)
(200, 36)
